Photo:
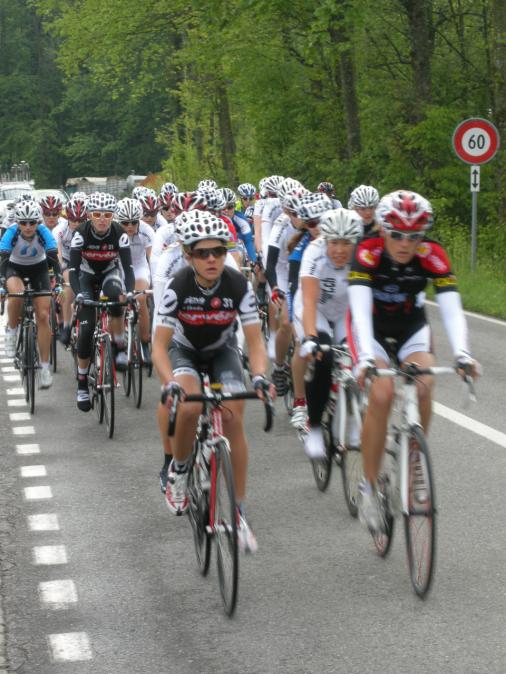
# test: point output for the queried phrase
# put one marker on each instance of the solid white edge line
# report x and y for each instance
(489, 319)
(469, 424)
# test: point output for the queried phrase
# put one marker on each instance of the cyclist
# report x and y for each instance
(99, 252)
(388, 276)
(77, 214)
(194, 329)
(364, 200)
(320, 306)
(27, 249)
(240, 223)
(247, 194)
(141, 235)
(164, 235)
(51, 211)
(150, 210)
(328, 188)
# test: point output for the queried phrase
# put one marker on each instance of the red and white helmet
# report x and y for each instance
(77, 209)
(404, 210)
(188, 201)
(51, 205)
(149, 204)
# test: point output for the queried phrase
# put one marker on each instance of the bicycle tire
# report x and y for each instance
(53, 322)
(383, 540)
(30, 364)
(198, 512)
(108, 385)
(351, 473)
(97, 399)
(137, 367)
(225, 528)
(322, 468)
(420, 523)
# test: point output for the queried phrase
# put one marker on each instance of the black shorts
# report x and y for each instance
(37, 274)
(224, 365)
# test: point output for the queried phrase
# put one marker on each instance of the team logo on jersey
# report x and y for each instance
(423, 249)
(438, 264)
(216, 303)
(367, 257)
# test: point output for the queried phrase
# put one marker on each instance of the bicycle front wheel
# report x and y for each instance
(351, 473)
(97, 398)
(54, 333)
(108, 385)
(30, 365)
(137, 367)
(225, 528)
(322, 468)
(420, 523)
(198, 512)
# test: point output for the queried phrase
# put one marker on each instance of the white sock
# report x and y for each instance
(44, 366)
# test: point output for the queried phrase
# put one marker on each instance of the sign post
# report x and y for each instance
(475, 141)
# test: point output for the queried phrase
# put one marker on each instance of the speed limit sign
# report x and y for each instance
(475, 140)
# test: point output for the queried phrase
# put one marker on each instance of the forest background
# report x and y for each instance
(351, 91)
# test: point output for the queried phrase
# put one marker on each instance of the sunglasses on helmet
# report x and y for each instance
(395, 235)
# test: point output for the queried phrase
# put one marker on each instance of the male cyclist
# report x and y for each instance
(388, 276)
(195, 329)
(98, 249)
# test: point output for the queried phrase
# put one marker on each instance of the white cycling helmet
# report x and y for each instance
(404, 210)
(27, 210)
(247, 190)
(180, 222)
(288, 186)
(207, 184)
(214, 199)
(312, 206)
(340, 223)
(101, 201)
(364, 196)
(291, 201)
(168, 188)
(128, 210)
(199, 226)
(229, 196)
(272, 184)
(139, 191)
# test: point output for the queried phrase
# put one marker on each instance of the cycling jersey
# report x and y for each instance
(139, 243)
(22, 251)
(98, 255)
(271, 210)
(63, 235)
(164, 237)
(387, 298)
(276, 269)
(243, 229)
(333, 300)
(203, 319)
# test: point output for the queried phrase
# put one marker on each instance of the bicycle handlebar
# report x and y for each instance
(217, 397)
(412, 370)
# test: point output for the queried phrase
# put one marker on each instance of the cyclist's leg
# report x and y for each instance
(40, 281)
(299, 365)
(14, 284)
(417, 349)
(143, 284)
(317, 393)
(112, 287)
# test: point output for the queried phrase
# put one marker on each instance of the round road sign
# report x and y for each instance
(475, 140)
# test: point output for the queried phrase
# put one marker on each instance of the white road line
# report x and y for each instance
(49, 554)
(19, 416)
(23, 430)
(70, 647)
(11, 377)
(39, 493)
(16, 402)
(16, 391)
(470, 424)
(43, 522)
(57, 594)
(6, 360)
(489, 319)
(33, 471)
(9, 368)
(27, 449)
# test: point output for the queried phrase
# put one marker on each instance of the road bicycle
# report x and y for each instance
(132, 377)
(212, 506)
(341, 425)
(26, 359)
(406, 483)
(102, 370)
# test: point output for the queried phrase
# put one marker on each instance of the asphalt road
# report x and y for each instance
(126, 598)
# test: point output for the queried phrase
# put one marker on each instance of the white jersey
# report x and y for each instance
(159, 222)
(271, 211)
(139, 243)
(63, 235)
(281, 233)
(164, 237)
(259, 207)
(333, 300)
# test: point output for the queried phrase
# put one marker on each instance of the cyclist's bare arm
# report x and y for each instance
(160, 355)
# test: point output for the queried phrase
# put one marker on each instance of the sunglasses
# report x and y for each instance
(311, 223)
(150, 214)
(395, 235)
(102, 214)
(28, 223)
(52, 214)
(204, 253)
(126, 223)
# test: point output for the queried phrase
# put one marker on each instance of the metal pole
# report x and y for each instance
(474, 227)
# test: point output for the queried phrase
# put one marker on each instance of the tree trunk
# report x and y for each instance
(226, 133)
(421, 34)
(499, 23)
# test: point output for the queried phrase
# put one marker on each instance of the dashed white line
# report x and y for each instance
(70, 647)
(39, 493)
(16, 402)
(43, 522)
(23, 430)
(19, 416)
(33, 471)
(27, 449)
(49, 554)
(20, 391)
(9, 368)
(57, 594)
(11, 377)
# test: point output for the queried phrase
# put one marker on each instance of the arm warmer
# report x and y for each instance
(361, 311)
(270, 268)
(125, 256)
(450, 306)
(74, 269)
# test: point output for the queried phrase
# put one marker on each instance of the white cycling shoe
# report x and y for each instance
(314, 445)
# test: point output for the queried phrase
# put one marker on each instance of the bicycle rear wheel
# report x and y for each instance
(322, 468)
(351, 473)
(97, 398)
(136, 368)
(225, 528)
(198, 512)
(420, 523)
(30, 363)
(53, 322)
(108, 385)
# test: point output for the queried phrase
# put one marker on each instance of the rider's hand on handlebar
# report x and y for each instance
(277, 296)
(263, 387)
(310, 348)
(169, 391)
(364, 369)
(467, 366)
(79, 299)
(130, 298)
